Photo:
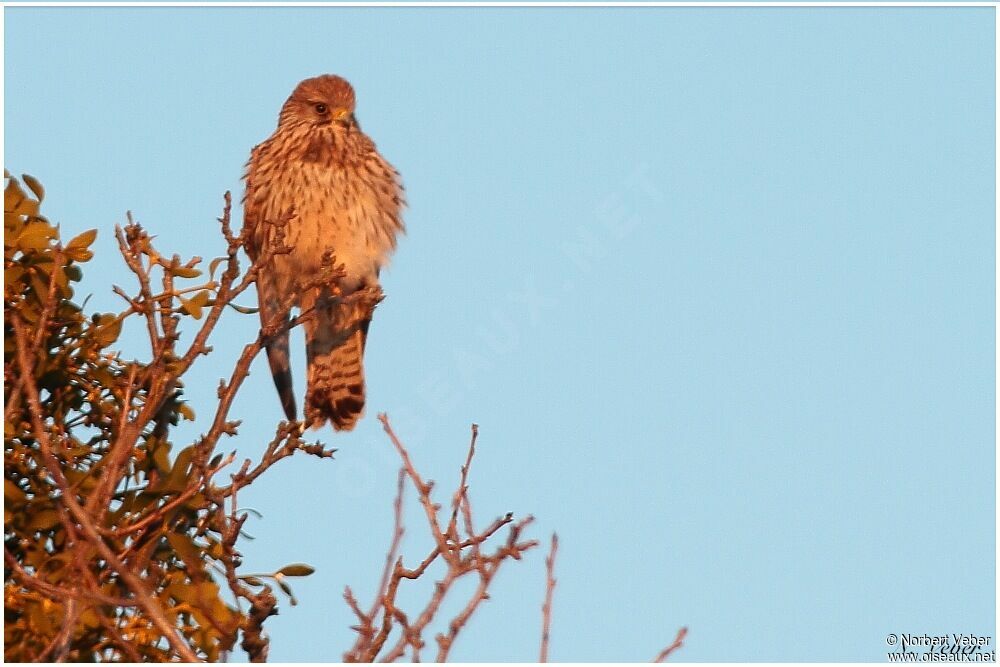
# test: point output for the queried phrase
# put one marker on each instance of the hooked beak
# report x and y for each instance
(344, 117)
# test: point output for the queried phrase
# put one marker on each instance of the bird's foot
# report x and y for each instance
(364, 299)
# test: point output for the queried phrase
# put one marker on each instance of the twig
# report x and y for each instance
(460, 493)
(131, 256)
(678, 642)
(423, 488)
(57, 647)
(255, 642)
(550, 587)
(486, 574)
(397, 538)
(368, 644)
(124, 646)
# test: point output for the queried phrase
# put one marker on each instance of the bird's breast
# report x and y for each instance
(351, 210)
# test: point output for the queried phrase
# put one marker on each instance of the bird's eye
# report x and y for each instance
(321, 108)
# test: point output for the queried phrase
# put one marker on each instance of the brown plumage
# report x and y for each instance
(345, 199)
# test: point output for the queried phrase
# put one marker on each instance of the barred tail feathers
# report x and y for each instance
(336, 383)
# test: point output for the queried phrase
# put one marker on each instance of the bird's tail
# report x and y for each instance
(336, 382)
(271, 318)
(277, 359)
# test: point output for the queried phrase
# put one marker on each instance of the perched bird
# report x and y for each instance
(321, 178)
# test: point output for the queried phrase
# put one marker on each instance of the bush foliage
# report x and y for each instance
(117, 543)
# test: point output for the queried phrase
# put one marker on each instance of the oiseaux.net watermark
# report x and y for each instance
(954, 647)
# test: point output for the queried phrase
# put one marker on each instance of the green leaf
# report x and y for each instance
(297, 570)
(186, 549)
(108, 328)
(83, 480)
(190, 307)
(12, 194)
(178, 478)
(77, 248)
(84, 240)
(12, 493)
(184, 272)
(288, 591)
(214, 265)
(243, 309)
(43, 520)
(36, 236)
(73, 272)
(160, 458)
(13, 275)
(35, 186)
(18, 204)
(215, 549)
(40, 619)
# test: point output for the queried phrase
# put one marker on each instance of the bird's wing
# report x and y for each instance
(268, 295)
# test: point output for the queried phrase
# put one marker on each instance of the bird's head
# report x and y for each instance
(323, 102)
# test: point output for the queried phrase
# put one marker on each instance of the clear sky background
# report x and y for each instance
(717, 284)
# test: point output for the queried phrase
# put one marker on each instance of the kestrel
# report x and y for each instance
(322, 178)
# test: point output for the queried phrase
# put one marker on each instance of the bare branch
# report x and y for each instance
(423, 488)
(57, 647)
(550, 587)
(128, 243)
(460, 496)
(678, 642)
(397, 537)
(462, 555)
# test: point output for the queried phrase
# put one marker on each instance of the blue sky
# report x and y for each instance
(717, 284)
